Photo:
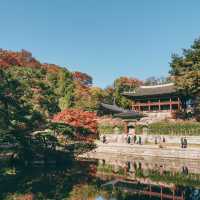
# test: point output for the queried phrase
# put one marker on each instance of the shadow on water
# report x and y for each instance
(99, 180)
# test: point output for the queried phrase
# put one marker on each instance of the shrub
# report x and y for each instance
(109, 128)
(174, 128)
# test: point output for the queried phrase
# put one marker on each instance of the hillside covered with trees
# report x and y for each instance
(35, 95)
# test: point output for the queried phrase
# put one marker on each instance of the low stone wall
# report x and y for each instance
(147, 150)
(171, 139)
(122, 138)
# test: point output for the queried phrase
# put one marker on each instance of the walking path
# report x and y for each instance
(147, 150)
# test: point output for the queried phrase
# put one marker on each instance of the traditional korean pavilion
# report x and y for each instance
(158, 98)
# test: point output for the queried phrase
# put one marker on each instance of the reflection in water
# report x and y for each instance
(103, 179)
(153, 182)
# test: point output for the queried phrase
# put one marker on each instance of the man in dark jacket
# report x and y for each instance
(134, 139)
(129, 139)
(182, 142)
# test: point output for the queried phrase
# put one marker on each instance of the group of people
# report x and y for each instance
(135, 139)
(184, 142)
(129, 139)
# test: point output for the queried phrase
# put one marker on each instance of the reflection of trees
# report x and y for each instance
(44, 183)
(177, 178)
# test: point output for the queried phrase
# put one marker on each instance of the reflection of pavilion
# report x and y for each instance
(126, 181)
(151, 189)
(135, 177)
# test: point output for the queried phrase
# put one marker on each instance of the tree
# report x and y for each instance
(81, 96)
(157, 81)
(24, 128)
(39, 92)
(124, 84)
(83, 78)
(65, 89)
(30, 94)
(46, 91)
(96, 98)
(185, 71)
(23, 58)
(78, 118)
(17, 120)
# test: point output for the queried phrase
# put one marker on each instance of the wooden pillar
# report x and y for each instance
(178, 103)
(149, 105)
(161, 192)
(182, 196)
(170, 104)
(150, 190)
(173, 193)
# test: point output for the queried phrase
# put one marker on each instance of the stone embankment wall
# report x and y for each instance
(122, 138)
(147, 150)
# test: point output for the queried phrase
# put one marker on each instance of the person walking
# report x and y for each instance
(134, 139)
(182, 142)
(129, 139)
(104, 139)
(140, 140)
(156, 141)
(185, 142)
(163, 140)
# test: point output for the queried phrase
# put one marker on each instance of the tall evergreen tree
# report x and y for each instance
(185, 70)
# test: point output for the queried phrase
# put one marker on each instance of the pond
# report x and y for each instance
(105, 178)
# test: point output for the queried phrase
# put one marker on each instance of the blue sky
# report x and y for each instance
(104, 38)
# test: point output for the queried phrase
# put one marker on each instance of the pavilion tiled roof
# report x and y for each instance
(113, 108)
(129, 115)
(121, 113)
(152, 90)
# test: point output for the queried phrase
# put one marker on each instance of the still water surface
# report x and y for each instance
(105, 179)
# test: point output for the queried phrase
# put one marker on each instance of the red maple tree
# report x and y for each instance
(78, 118)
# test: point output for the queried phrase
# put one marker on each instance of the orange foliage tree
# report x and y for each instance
(78, 118)
(82, 78)
(22, 58)
(115, 93)
(129, 82)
